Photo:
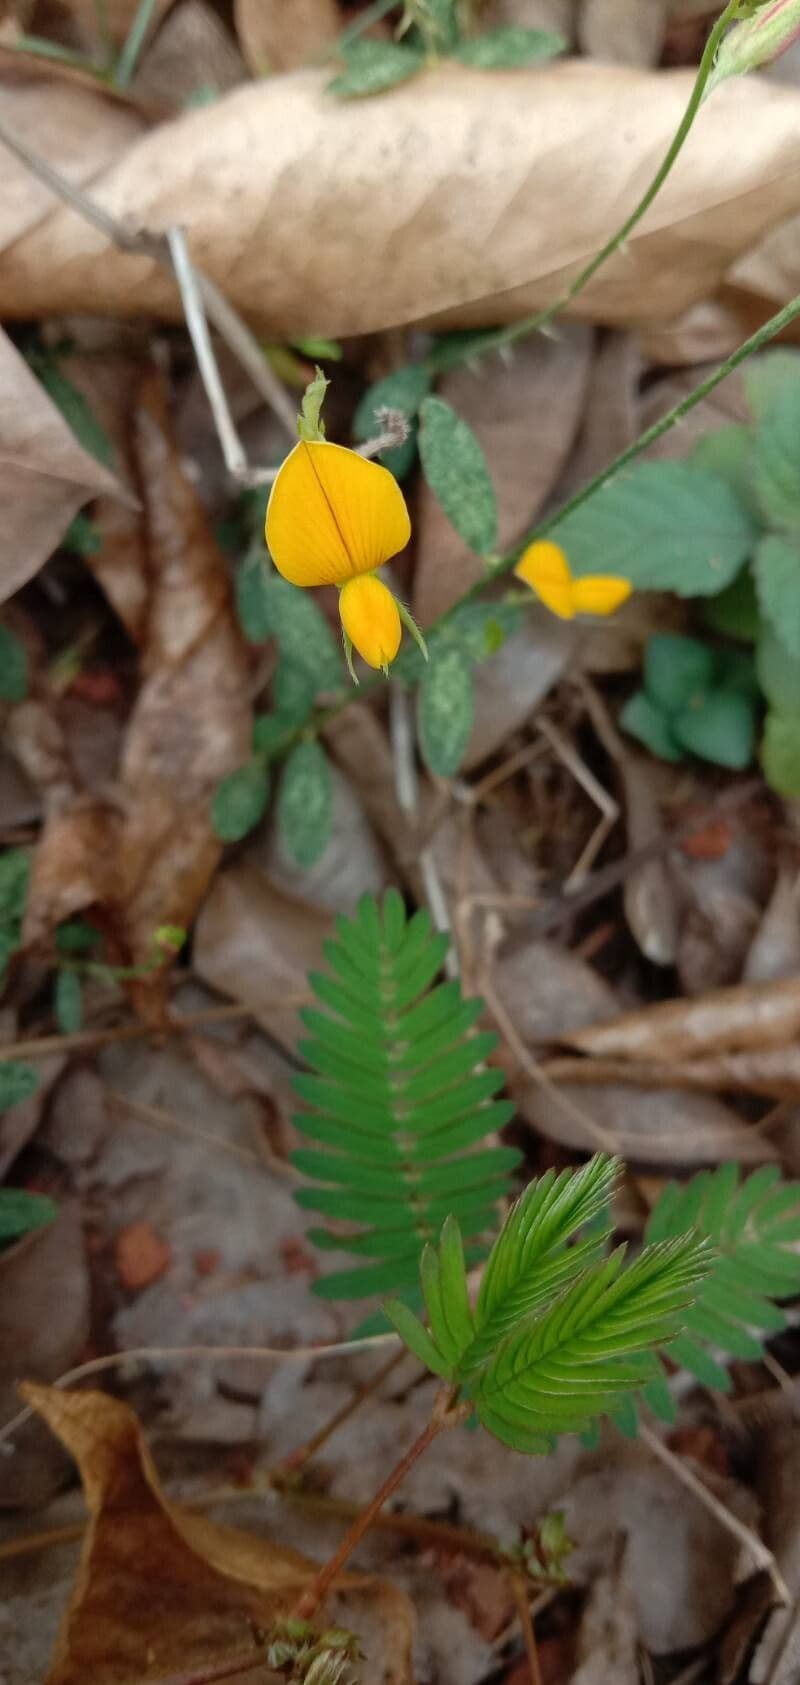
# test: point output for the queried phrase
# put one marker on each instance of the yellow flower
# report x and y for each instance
(545, 568)
(371, 619)
(333, 515)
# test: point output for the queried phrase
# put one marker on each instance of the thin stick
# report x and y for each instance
(183, 1354)
(220, 311)
(762, 1556)
(315, 1594)
(197, 323)
(520, 1591)
(88, 1041)
(158, 1118)
(297, 1459)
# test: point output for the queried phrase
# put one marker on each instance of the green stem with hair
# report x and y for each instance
(447, 357)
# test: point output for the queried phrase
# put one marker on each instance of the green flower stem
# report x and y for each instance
(134, 41)
(496, 338)
(756, 342)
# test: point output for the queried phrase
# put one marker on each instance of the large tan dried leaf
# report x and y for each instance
(461, 196)
(160, 1590)
(258, 945)
(754, 1015)
(505, 405)
(645, 1122)
(284, 34)
(148, 856)
(45, 475)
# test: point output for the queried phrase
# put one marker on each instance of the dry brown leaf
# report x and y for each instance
(504, 405)
(149, 858)
(771, 1071)
(757, 1015)
(775, 948)
(623, 31)
(548, 992)
(368, 180)
(192, 52)
(650, 899)
(36, 1342)
(284, 34)
(257, 945)
(45, 475)
(159, 1589)
(509, 687)
(654, 1123)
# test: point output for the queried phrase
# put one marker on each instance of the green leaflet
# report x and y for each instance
(403, 390)
(458, 474)
(509, 48)
(446, 711)
(665, 526)
(780, 752)
(240, 801)
(372, 66)
(558, 1335)
(395, 1108)
(752, 1225)
(305, 804)
(13, 668)
(68, 1001)
(776, 469)
(17, 1082)
(20, 1212)
(777, 571)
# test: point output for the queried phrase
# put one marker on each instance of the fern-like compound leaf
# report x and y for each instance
(395, 1104)
(556, 1373)
(752, 1225)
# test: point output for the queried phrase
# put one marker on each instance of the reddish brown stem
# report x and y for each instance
(315, 1594)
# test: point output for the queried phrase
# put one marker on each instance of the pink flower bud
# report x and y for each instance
(758, 40)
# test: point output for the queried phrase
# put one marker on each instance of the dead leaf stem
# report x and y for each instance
(521, 1592)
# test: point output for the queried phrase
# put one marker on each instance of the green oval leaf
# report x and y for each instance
(778, 673)
(675, 670)
(20, 1212)
(371, 66)
(305, 802)
(252, 599)
(17, 1083)
(13, 668)
(291, 615)
(68, 1002)
(643, 720)
(509, 48)
(666, 526)
(780, 753)
(240, 801)
(777, 569)
(734, 612)
(776, 461)
(722, 729)
(458, 474)
(446, 710)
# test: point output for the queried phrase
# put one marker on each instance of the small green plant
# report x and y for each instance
(430, 30)
(695, 700)
(396, 1101)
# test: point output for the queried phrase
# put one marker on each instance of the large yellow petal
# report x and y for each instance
(371, 619)
(333, 515)
(600, 593)
(544, 567)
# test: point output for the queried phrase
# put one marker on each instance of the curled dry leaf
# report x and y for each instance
(375, 177)
(254, 943)
(45, 475)
(36, 1343)
(771, 1071)
(149, 857)
(504, 404)
(757, 1015)
(644, 1124)
(160, 1590)
(285, 34)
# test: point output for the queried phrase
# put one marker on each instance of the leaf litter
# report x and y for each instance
(170, 1156)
